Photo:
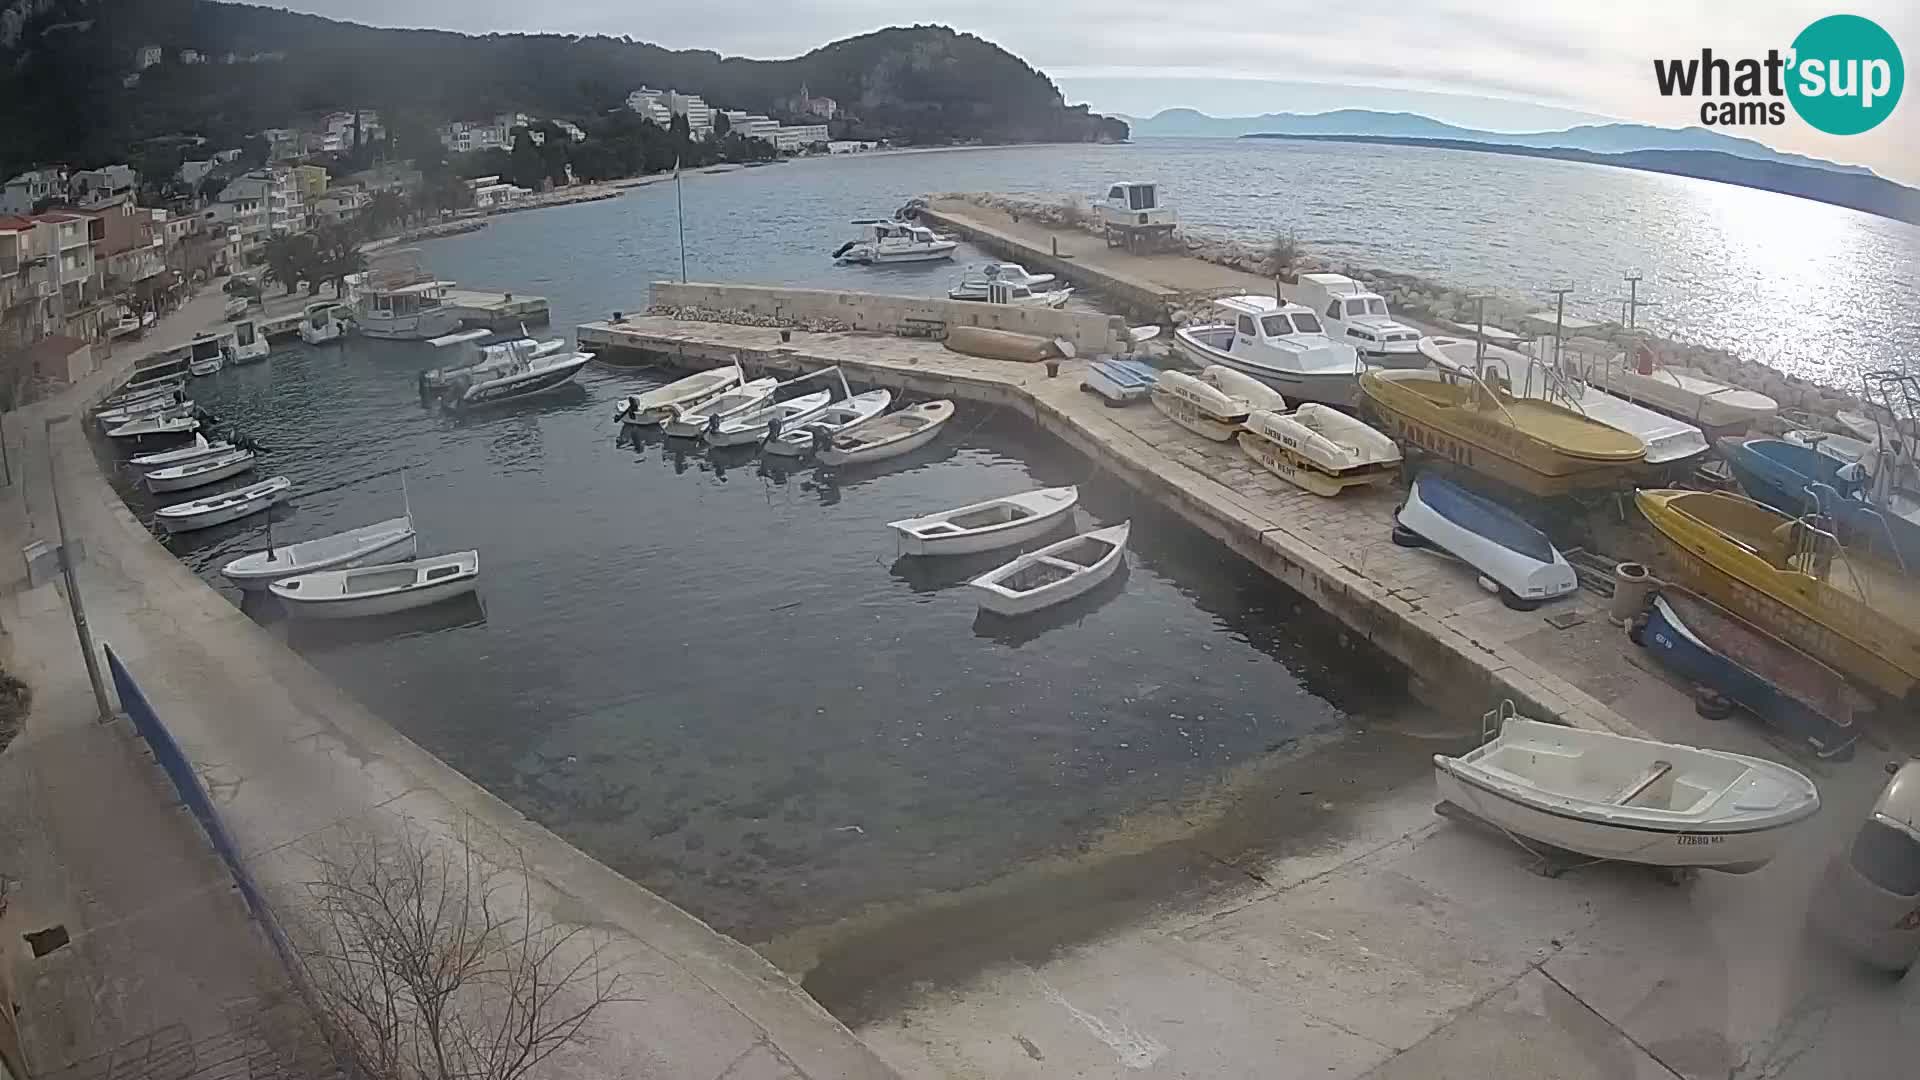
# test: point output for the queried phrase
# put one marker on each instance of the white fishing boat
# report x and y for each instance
(1282, 345)
(199, 473)
(249, 344)
(1609, 796)
(987, 526)
(323, 323)
(1319, 448)
(380, 589)
(690, 421)
(973, 283)
(1053, 574)
(890, 436)
(393, 540)
(1199, 407)
(837, 419)
(1503, 547)
(1256, 394)
(193, 451)
(1357, 315)
(756, 426)
(525, 368)
(885, 242)
(224, 507)
(158, 425)
(1011, 292)
(1690, 395)
(206, 355)
(657, 405)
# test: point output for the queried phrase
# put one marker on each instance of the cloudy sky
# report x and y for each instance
(1491, 63)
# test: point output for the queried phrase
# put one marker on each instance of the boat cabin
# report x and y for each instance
(206, 347)
(245, 333)
(1263, 327)
(878, 231)
(405, 301)
(1357, 315)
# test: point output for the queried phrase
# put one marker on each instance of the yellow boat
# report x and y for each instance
(1794, 580)
(1533, 445)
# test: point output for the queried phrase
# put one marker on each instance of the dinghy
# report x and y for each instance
(1612, 797)
(1788, 690)
(657, 406)
(835, 419)
(1120, 381)
(147, 427)
(224, 507)
(392, 540)
(1198, 406)
(167, 404)
(378, 590)
(163, 388)
(1516, 558)
(1053, 574)
(690, 421)
(193, 451)
(1321, 449)
(753, 427)
(1256, 394)
(986, 526)
(890, 436)
(206, 470)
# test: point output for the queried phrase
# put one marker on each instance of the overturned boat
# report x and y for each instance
(1320, 449)
(1518, 559)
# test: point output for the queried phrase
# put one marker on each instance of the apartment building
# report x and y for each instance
(799, 136)
(24, 192)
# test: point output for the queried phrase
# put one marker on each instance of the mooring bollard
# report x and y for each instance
(1056, 246)
(786, 336)
(1053, 369)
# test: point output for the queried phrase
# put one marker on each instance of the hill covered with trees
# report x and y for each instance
(64, 67)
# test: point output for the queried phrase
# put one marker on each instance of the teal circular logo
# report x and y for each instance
(1846, 75)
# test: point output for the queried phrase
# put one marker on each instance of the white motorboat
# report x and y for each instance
(1012, 292)
(224, 507)
(1053, 574)
(393, 540)
(883, 242)
(162, 424)
(1669, 440)
(1119, 380)
(987, 526)
(234, 308)
(836, 419)
(193, 451)
(1256, 394)
(1691, 395)
(1844, 448)
(756, 426)
(1357, 315)
(973, 283)
(1613, 797)
(690, 421)
(1282, 345)
(1319, 448)
(658, 405)
(483, 360)
(890, 436)
(249, 344)
(323, 323)
(1199, 407)
(206, 355)
(1503, 547)
(526, 370)
(201, 472)
(381, 589)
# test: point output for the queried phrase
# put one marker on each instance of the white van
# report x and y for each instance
(1870, 901)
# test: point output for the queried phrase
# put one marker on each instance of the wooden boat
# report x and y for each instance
(378, 590)
(193, 451)
(987, 526)
(1535, 446)
(753, 427)
(1282, 345)
(1683, 392)
(691, 420)
(1788, 690)
(392, 540)
(1120, 381)
(168, 404)
(1053, 574)
(224, 507)
(163, 388)
(1256, 394)
(150, 426)
(1793, 579)
(658, 405)
(890, 436)
(201, 472)
(1199, 407)
(1320, 449)
(1001, 344)
(836, 419)
(1631, 800)
(1501, 545)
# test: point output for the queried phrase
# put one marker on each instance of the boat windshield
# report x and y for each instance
(1277, 324)
(1376, 306)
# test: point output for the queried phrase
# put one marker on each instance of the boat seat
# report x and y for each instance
(1641, 783)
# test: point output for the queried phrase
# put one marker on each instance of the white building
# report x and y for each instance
(651, 104)
(799, 137)
(340, 205)
(489, 193)
(23, 192)
(751, 125)
(265, 202)
(699, 114)
(95, 187)
(464, 138)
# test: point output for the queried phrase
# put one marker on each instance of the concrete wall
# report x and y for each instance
(912, 316)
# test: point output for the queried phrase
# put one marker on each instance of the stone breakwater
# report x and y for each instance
(736, 317)
(1422, 300)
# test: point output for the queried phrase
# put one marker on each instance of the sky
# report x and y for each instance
(1489, 63)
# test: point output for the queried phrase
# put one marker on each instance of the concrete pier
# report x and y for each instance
(497, 311)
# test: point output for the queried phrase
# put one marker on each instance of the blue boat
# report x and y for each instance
(1120, 381)
(1503, 546)
(1787, 477)
(1788, 690)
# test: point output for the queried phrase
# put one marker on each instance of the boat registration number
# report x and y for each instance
(1692, 838)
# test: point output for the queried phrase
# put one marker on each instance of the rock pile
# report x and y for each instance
(736, 317)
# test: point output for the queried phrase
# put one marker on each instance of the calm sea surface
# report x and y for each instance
(715, 675)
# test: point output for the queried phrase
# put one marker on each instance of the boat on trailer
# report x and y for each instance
(841, 417)
(987, 526)
(1200, 407)
(382, 589)
(1507, 551)
(1616, 798)
(1319, 448)
(891, 436)
(1053, 574)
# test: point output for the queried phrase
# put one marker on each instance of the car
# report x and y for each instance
(1870, 900)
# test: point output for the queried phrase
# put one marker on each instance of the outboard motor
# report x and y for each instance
(713, 424)
(822, 440)
(844, 248)
(773, 429)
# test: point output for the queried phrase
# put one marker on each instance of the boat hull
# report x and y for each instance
(159, 483)
(386, 604)
(402, 547)
(500, 391)
(1331, 388)
(1120, 381)
(657, 406)
(200, 368)
(249, 354)
(1055, 511)
(1079, 584)
(882, 451)
(1692, 398)
(323, 335)
(1303, 472)
(1488, 537)
(433, 324)
(209, 519)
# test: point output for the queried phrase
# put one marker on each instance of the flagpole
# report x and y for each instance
(680, 215)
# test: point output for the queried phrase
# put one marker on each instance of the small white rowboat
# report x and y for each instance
(199, 473)
(754, 426)
(1631, 800)
(691, 421)
(379, 590)
(836, 419)
(657, 406)
(890, 436)
(193, 451)
(224, 507)
(1319, 448)
(986, 526)
(1256, 394)
(158, 425)
(1053, 574)
(392, 540)
(1200, 408)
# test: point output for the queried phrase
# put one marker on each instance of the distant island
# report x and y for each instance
(1856, 190)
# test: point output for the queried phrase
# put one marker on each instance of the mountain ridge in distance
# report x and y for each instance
(1615, 138)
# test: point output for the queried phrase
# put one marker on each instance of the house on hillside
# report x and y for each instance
(28, 190)
(94, 188)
